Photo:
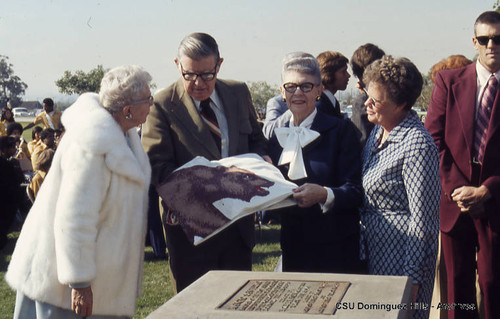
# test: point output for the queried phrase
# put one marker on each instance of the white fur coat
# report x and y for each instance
(88, 222)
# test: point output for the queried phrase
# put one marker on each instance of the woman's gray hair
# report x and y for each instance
(120, 86)
(301, 62)
(197, 46)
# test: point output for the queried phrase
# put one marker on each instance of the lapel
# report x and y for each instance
(326, 106)
(494, 122)
(131, 161)
(182, 107)
(103, 136)
(230, 105)
(465, 99)
(320, 124)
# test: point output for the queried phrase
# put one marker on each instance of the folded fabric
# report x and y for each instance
(204, 197)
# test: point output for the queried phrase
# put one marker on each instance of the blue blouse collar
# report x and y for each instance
(399, 132)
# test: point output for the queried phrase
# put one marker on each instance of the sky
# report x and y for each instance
(43, 38)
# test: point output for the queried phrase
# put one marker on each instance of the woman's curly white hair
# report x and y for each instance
(122, 85)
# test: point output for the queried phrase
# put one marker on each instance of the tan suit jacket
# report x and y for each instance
(174, 132)
(42, 118)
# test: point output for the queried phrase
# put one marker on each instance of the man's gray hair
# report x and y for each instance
(197, 46)
(120, 86)
(301, 62)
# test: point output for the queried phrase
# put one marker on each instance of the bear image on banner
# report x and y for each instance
(203, 186)
(205, 197)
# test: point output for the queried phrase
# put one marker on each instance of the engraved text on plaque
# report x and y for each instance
(294, 296)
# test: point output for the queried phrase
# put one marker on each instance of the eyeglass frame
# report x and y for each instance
(495, 38)
(214, 73)
(297, 86)
(150, 99)
(375, 101)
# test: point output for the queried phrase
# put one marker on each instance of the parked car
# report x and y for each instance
(347, 111)
(422, 114)
(20, 112)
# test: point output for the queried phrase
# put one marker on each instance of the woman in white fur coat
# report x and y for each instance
(80, 252)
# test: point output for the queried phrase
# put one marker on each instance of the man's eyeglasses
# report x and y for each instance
(304, 87)
(206, 76)
(149, 100)
(483, 40)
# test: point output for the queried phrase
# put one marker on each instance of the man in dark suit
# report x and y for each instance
(360, 60)
(334, 77)
(200, 115)
(464, 120)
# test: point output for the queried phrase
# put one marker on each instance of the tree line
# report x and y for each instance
(12, 88)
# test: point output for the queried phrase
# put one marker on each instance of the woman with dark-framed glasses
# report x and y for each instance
(321, 154)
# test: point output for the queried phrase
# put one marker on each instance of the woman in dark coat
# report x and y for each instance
(321, 154)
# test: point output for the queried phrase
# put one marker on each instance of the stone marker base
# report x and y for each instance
(245, 294)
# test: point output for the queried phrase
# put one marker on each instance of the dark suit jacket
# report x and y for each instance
(332, 160)
(326, 106)
(174, 132)
(451, 122)
(277, 113)
(360, 119)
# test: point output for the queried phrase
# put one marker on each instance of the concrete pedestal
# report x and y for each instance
(367, 296)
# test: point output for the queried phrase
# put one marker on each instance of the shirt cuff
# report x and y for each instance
(330, 198)
(79, 285)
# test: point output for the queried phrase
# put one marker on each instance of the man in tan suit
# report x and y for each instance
(200, 115)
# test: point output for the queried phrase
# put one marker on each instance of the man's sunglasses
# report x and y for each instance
(483, 40)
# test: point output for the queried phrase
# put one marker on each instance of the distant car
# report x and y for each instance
(347, 111)
(20, 112)
(422, 114)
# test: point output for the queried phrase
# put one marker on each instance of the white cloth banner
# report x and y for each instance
(205, 197)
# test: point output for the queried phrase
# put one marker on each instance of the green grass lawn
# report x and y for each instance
(27, 133)
(157, 288)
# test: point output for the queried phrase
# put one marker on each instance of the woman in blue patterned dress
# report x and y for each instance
(401, 180)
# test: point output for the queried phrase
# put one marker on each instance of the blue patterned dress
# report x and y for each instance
(400, 215)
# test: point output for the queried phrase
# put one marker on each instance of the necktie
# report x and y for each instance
(337, 109)
(208, 116)
(483, 118)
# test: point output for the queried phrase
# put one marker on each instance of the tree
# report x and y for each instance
(261, 92)
(11, 86)
(81, 82)
(425, 97)
(496, 6)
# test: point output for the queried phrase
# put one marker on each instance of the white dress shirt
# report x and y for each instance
(483, 76)
(217, 107)
(331, 97)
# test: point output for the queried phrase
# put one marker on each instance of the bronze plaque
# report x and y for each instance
(293, 296)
